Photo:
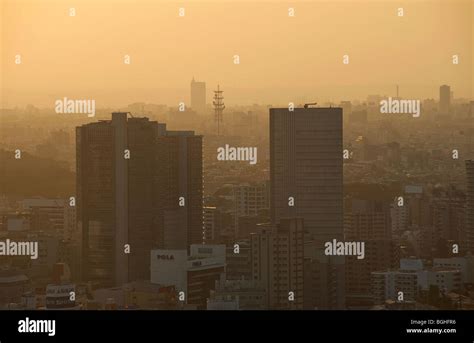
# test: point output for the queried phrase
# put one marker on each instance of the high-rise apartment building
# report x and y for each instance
(368, 221)
(277, 255)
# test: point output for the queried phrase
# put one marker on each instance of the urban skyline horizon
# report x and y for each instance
(244, 158)
(301, 99)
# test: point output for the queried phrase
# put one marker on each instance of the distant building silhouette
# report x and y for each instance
(444, 99)
(198, 96)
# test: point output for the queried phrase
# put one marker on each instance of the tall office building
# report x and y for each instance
(444, 99)
(101, 214)
(470, 205)
(306, 169)
(198, 96)
(138, 200)
(277, 262)
(129, 171)
(181, 210)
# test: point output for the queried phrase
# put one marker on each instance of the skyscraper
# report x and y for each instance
(306, 169)
(444, 99)
(180, 187)
(198, 96)
(122, 167)
(470, 205)
(101, 200)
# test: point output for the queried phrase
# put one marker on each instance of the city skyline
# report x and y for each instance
(131, 154)
(308, 161)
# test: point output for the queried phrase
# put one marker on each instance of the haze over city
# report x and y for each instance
(257, 157)
(282, 58)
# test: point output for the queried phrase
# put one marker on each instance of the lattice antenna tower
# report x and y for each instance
(218, 108)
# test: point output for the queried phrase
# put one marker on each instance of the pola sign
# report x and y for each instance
(165, 257)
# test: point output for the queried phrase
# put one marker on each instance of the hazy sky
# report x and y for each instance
(282, 58)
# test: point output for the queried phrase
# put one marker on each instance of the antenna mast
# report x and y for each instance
(218, 107)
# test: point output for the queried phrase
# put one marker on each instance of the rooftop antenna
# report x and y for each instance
(310, 104)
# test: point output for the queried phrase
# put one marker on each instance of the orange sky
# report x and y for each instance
(281, 58)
